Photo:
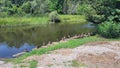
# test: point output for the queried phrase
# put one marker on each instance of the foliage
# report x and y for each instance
(86, 10)
(96, 19)
(54, 17)
(41, 6)
(26, 7)
(96, 11)
(117, 16)
(109, 29)
(12, 10)
(103, 9)
(38, 7)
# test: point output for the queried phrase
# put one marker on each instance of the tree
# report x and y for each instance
(40, 6)
(19, 3)
(26, 7)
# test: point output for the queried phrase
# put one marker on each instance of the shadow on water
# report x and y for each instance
(15, 40)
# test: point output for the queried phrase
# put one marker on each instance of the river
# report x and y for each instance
(16, 39)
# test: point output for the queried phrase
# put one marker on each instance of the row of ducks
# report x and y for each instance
(65, 38)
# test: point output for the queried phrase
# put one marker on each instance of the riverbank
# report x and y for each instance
(103, 54)
(72, 43)
(22, 21)
(72, 46)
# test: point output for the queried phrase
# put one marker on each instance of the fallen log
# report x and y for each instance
(19, 54)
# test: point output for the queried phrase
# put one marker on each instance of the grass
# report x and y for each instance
(33, 64)
(23, 20)
(20, 21)
(73, 18)
(69, 44)
(75, 63)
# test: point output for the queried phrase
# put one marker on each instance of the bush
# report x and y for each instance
(96, 19)
(26, 7)
(20, 12)
(109, 29)
(54, 17)
(86, 10)
(12, 10)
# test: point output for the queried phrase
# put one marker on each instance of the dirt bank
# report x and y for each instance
(90, 55)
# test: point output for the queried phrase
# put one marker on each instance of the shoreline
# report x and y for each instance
(65, 39)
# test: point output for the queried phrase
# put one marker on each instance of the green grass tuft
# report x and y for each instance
(75, 63)
(33, 64)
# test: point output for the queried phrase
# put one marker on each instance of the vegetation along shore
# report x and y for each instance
(60, 33)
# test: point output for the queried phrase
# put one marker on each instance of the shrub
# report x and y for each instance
(54, 17)
(13, 10)
(86, 10)
(20, 12)
(109, 29)
(96, 19)
(26, 7)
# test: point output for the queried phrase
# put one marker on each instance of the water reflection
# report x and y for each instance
(18, 37)
(7, 52)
